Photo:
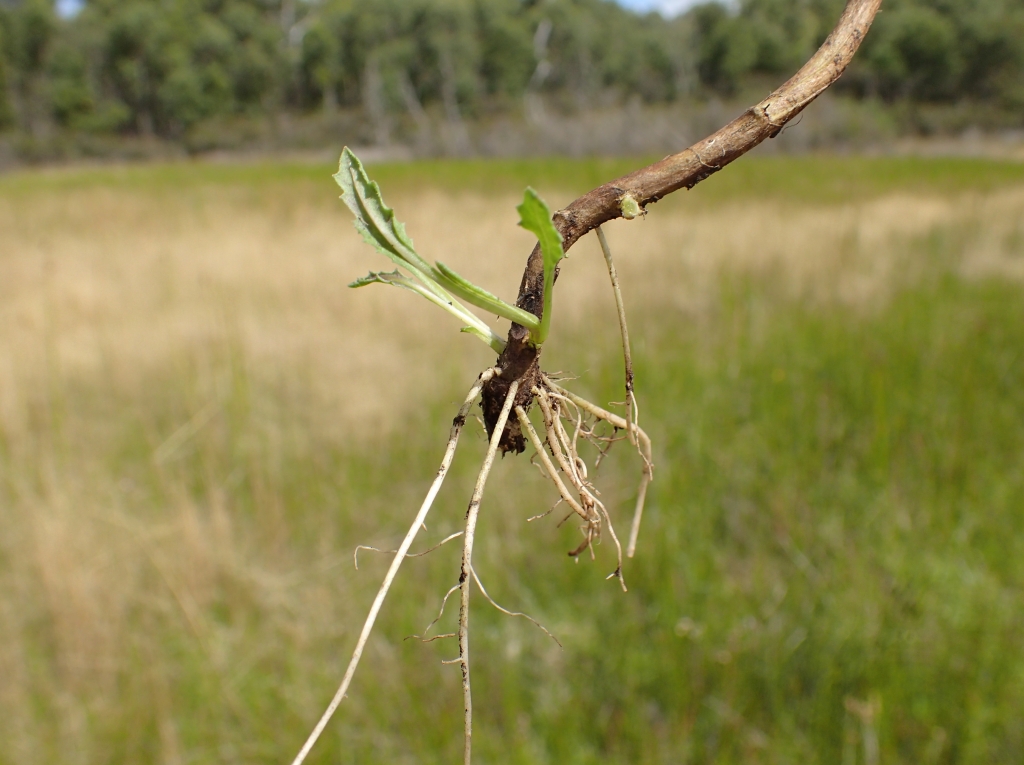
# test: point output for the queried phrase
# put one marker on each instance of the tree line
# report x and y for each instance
(163, 67)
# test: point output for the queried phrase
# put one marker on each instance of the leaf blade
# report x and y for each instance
(477, 327)
(535, 217)
(375, 220)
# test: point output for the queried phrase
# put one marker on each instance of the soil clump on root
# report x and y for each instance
(519, 361)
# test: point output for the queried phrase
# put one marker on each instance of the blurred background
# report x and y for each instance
(139, 78)
(199, 422)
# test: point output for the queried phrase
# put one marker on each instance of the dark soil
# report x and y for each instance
(519, 361)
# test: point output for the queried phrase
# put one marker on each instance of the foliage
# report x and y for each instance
(376, 223)
(143, 67)
(6, 111)
(535, 217)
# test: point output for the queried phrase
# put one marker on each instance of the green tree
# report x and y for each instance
(172, 64)
(914, 54)
(70, 93)
(506, 48)
(6, 110)
(30, 28)
(991, 41)
(161, 67)
(726, 45)
(320, 66)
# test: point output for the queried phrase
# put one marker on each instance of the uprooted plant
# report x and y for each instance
(515, 382)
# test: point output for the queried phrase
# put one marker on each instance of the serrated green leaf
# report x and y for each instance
(481, 298)
(396, 278)
(535, 217)
(376, 278)
(362, 281)
(440, 298)
(375, 221)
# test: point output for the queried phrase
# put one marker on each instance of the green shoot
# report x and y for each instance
(535, 217)
(481, 298)
(475, 326)
(375, 221)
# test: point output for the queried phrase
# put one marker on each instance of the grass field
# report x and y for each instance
(199, 423)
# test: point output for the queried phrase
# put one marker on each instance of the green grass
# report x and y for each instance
(800, 179)
(842, 512)
(837, 518)
(838, 513)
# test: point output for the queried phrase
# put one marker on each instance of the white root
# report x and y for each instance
(563, 447)
(505, 611)
(440, 612)
(400, 556)
(472, 514)
(644, 447)
(550, 418)
(617, 573)
(548, 467)
(446, 540)
(632, 409)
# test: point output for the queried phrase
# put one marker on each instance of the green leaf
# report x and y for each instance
(477, 327)
(496, 343)
(481, 298)
(375, 221)
(535, 217)
(372, 278)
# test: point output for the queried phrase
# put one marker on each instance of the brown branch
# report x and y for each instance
(633, 192)
(693, 165)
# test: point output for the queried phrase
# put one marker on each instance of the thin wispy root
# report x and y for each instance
(547, 465)
(564, 451)
(467, 563)
(505, 611)
(632, 409)
(556, 404)
(548, 399)
(400, 555)
(446, 540)
(576, 471)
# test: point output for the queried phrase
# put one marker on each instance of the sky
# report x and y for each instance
(667, 7)
(68, 8)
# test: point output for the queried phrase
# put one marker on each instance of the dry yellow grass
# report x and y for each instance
(109, 296)
(115, 285)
